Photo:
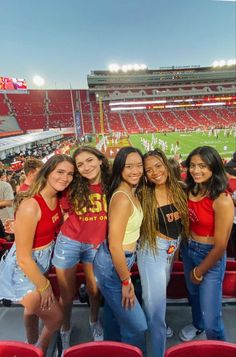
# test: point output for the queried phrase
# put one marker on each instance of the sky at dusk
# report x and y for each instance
(63, 40)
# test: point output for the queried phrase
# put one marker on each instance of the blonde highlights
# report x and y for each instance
(176, 196)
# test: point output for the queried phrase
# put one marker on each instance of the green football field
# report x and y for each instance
(225, 144)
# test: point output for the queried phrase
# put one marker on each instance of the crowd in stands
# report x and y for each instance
(79, 209)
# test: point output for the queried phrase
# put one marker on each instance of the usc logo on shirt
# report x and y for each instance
(99, 204)
(55, 218)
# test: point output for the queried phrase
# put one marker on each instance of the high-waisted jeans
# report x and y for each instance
(155, 269)
(206, 298)
(131, 322)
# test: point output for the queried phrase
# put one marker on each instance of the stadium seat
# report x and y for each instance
(4, 245)
(80, 278)
(103, 349)
(206, 348)
(229, 283)
(19, 349)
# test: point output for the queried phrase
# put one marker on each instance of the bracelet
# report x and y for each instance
(195, 275)
(126, 282)
(41, 290)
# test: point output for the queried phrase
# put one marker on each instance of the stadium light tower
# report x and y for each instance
(38, 81)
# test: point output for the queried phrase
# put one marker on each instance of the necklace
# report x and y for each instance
(170, 251)
(173, 218)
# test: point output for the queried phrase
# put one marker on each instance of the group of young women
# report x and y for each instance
(140, 208)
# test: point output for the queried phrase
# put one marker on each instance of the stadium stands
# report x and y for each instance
(43, 109)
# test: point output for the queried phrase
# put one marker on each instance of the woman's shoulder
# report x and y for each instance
(121, 199)
(224, 200)
(29, 205)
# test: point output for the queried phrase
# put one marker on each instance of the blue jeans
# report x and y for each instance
(206, 298)
(155, 269)
(131, 322)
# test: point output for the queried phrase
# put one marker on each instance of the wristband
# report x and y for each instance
(195, 275)
(41, 290)
(126, 282)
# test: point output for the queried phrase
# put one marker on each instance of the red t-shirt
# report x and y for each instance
(87, 226)
(231, 185)
(49, 223)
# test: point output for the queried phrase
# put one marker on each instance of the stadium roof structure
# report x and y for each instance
(104, 80)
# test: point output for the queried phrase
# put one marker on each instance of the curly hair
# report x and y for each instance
(177, 196)
(79, 191)
(217, 183)
(41, 178)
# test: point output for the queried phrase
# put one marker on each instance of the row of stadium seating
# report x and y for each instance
(53, 108)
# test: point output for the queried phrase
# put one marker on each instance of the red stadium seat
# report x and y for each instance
(103, 349)
(4, 245)
(19, 349)
(176, 288)
(80, 278)
(229, 283)
(206, 348)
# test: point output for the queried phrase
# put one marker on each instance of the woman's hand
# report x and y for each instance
(47, 298)
(195, 276)
(128, 296)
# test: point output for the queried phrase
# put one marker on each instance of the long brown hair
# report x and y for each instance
(79, 190)
(42, 176)
(178, 197)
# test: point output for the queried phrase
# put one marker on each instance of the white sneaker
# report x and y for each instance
(65, 339)
(169, 332)
(189, 332)
(96, 330)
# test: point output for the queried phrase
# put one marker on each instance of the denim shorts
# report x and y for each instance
(69, 252)
(14, 284)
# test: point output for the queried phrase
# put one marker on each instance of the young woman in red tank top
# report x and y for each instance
(211, 214)
(22, 273)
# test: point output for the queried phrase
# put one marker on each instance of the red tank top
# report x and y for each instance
(48, 224)
(201, 216)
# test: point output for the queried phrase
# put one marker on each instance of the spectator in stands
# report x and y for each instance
(81, 234)
(116, 255)
(6, 199)
(3, 175)
(22, 273)
(12, 180)
(165, 221)
(31, 169)
(211, 214)
(231, 173)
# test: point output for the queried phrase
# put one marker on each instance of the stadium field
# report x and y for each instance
(224, 143)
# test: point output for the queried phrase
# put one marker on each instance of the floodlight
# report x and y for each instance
(143, 66)
(114, 67)
(222, 63)
(215, 64)
(231, 62)
(38, 81)
(124, 68)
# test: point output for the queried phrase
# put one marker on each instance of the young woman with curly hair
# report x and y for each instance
(81, 234)
(165, 221)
